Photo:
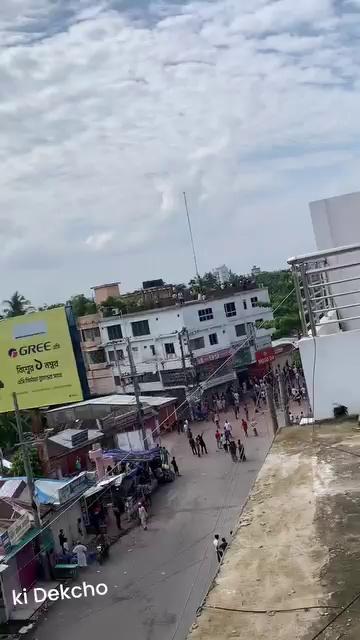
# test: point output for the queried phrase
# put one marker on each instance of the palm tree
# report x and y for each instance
(18, 305)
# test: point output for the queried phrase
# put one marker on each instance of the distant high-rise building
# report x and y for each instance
(255, 271)
(222, 273)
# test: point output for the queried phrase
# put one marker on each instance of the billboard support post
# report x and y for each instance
(27, 463)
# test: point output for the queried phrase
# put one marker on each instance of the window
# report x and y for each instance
(254, 301)
(134, 349)
(89, 335)
(205, 314)
(114, 332)
(152, 349)
(117, 381)
(240, 330)
(230, 309)
(245, 304)
(96, 357)
(120, 355)
(213, 339)
(140, 328)
(197, 343)
(169, 348)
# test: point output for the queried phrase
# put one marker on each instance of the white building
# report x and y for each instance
(196, 336)
(328, 287)
(222, 274)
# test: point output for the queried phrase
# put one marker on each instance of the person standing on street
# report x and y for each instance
(227, 430)
(198, 446)
(253, 427)
(223, 545)
(242, 456)
(62, 541)
(246, 411)
(175, 466)
(116, 512)
(216, 543)
(80, 551)
(218, 438)
(224, 442)
(142, 516)
(192, 445)
(202, 443)
(232, 449)
(186, 426)
(244, 425)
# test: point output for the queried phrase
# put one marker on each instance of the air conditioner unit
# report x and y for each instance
(114, 312)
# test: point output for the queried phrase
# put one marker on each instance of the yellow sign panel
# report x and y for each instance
(37, 361)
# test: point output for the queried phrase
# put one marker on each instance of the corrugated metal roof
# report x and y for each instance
(119, 399)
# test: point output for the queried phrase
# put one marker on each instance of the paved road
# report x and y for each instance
(158, 578)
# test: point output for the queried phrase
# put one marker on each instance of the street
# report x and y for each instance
(157, 578)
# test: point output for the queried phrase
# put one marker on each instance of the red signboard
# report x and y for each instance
(266, 356)
(217, 355)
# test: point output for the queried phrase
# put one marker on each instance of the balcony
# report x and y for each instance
(327, 289)
(328, 294)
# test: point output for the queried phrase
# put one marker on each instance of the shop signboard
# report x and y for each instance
(18, 529)
(37, 361)
(266, 356)
(216, 355)
(176, 377)
(73, 488)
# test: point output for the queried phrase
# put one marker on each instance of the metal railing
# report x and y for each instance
(328, 281)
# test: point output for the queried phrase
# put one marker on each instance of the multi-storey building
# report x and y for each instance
(184, 343)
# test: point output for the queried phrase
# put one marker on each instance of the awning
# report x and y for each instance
(28, 537)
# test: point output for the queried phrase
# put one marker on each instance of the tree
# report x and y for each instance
(18, 468)
(18, 305)
(116, 303)
(82, 306)
(280, 285)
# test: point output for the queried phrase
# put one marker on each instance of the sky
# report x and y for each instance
(111, 109)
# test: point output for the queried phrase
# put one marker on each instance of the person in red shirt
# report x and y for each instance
(245, 426)
(218, 438)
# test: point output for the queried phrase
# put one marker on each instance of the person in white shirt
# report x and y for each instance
(216, 543)
(80, 551)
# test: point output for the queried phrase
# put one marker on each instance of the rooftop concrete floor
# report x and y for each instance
(293, 568)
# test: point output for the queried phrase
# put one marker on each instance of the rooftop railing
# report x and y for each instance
(327, 285)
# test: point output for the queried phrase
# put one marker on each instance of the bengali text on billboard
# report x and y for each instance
(37, 361)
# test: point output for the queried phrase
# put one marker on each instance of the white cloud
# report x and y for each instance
(107, 117)
(99, 241)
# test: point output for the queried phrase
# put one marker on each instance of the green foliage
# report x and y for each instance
(82, 306)
(18, 305)
(114, 303)
(47, 307)
(8, 430)
(18, 468)
(280, 284)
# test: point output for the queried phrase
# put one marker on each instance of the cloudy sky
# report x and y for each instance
(110, 109)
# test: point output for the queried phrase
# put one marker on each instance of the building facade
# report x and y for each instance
(186, 343)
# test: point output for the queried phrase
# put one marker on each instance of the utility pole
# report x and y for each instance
(272, 409)
(192, 242)
(27, 463)
(284, 399)
(117, 361)
(135, 380)
(183, 362)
